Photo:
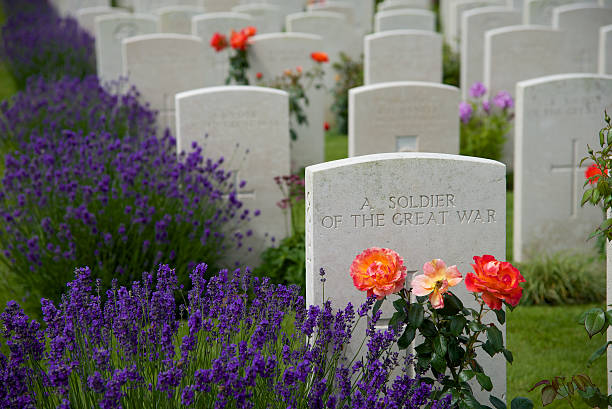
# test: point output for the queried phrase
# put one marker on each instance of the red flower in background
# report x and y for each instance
(249, 31)
(319, 57)
(238, 40)
(326, 125)
(259, 75)
(591, 171)
(218, 41)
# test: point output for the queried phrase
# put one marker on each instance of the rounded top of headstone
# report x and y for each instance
(292, 35)
(401, 84)
(161, 37)
(127, 17)
(489, 10)
(316, 14)
(256, 6)
(221, 15)
(560, 77)
(230, 89)
(404, 12)
(399, 33)
(520, 28)
(179, 9)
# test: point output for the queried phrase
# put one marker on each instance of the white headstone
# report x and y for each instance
(215, 6)
(475, 24)
(110, 32)
(286, 6)
(205, 26)
(452, 30)
(403, 117)
(177, 19)
(402, 55)
(148, 6)
(518, 53)
(267, 18)
(161, 66)
(605, 3)
(405, 19)
(424, 206)
(541, 11)
(246, 126)
(582, 22)
(404, 4)
(364, 15)
(87, 17)
(342, 7)
(271, 55)
(70, 7)
(556, 117)
(605, 50)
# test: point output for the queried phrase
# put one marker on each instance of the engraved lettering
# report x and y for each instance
(491, 216)
(366, 203)
(327, 222)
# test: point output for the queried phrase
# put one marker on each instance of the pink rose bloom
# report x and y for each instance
(435, 281)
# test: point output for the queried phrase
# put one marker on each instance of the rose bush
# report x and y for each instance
(378, 271)
(497, 281)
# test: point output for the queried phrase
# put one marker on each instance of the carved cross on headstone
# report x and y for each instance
(574, 170)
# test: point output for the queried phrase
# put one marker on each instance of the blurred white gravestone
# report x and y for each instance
(267, 18)
(403, 117)
(402, 55)
(405, 19)
(110, 32)
(582, 22)
(161, 66)
(475, 24)
(87, 17)
(216, 64)
(177, 19)
(541, 11)
(246, 126)
(605, 50)
(453, 30)
(70, 7)
(404, 4)
(148, 6)
(556, 117)
(215, 6)
(422, 205)
(342, 7)
(271, 55)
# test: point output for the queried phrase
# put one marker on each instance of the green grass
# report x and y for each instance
(547, 342)
(336, 146)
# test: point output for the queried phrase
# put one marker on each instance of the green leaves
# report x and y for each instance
(407, 337)
(599, 352)
(594, 321)
(377, 306)
(484, 381)
(521, 403)
(457, 323)
(495, 338)
(498, 403)
(416, 315)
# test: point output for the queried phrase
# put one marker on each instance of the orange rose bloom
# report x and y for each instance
(319, 56)
(592, 170)
(259, 75)
(249, 31)
(238, 41)
(435, 281)
(496, 280)
(218, 41)
(378, 271)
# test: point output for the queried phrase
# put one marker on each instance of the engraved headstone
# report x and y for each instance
(582, 22)
(87, 17)
(404, 4)
(475, 24)
(541, 11)
(452, 30)
(405, 19)
(162, 65)
(205, 26)
(267, 18)
(422, 205)
(518, 53)
(247, 126)
(402, 55)
(403, 117)
(271, 55)
(215, 6)
(110, 32)
(605, 50)
(556, 117)
(177, 19)
(148, 6)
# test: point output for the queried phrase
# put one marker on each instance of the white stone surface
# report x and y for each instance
(518, 53)
(403, 117)
(247, 126)
(205, 26)
(87, 17)
(216, 6)
(375, 200)
(267, 18)
(342, 7)
(70, 7)
(475, 24)
(404, 4)
(541, 11)
(162, 65)
(556, 117)
(405, 19)
(605, 3)
(271, 55)
(148, 6)
(605, 50)
(110, 32)
(402, 55)
(364, 15)
(452, 30)
(286, 6)
(582, 22)
(177, 19)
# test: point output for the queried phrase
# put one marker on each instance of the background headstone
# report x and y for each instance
(402, 55)
(582, 22)
(147, 6)
(475, 24)
(605, 50)
(214, 6)
(162, 65)
(403, 117)
(342, 7)
(110, 32)
(271, 55)
(70, 7)
(405, 19)
(556, 117)
(453, 29)
(247, 126)
(404, 4)
(87, 17)
(357, 203)
(267, 18)
(541, 11)
(177, 19)
(216, 64)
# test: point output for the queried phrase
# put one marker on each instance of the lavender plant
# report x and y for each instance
(243, 343)
(37, 42)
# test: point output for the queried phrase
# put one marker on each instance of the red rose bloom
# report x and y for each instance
(259, 75)
(249, 31)
(319, 56)
(591, 171)
(218, 41)
(238, 41)
(496, 280)
(326, 125)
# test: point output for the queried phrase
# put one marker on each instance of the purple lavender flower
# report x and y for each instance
(477, 90)
(486, 106)
(503, 100)
(465, 112)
